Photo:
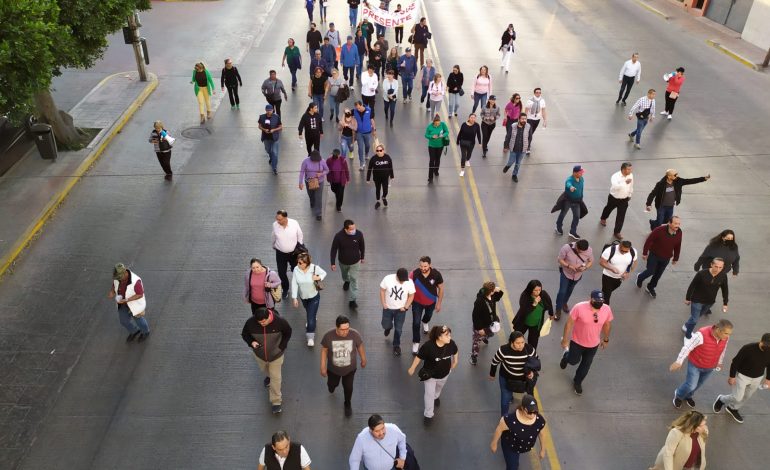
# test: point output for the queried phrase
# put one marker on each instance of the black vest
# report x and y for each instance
(293, 461)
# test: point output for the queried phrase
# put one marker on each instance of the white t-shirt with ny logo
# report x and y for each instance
(396, 293)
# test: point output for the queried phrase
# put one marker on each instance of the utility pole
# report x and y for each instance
(133, 24)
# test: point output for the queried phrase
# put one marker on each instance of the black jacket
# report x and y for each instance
(272, 338)
(454, 82)
(231, 77)
(525, 307)
(660, 188)
(485, 310)
(311, 124)
(351, 247)
(380, 168)
(507, 38)
(421, 34)
(703, 288)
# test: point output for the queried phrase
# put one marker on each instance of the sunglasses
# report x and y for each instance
(596, 317)
(380, 150)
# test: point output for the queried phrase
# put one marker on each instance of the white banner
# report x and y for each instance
(409, 14)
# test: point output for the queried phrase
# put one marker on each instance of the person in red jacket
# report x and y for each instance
(704, 352)
(661, 245)
(675, 81)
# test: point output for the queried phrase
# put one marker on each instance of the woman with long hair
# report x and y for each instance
(347, 128)
(258, 283)
(440, 356)
(685, 447)
(204, 89)
(534, 303)
(436, 93)
(303, 287)
(484, 315)
(724, 246)
(466, 139)
(513, 110)
(454, 85)
(482, 87)
(518, 432)
(489, 115)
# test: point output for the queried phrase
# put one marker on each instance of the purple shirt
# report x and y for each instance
(310, 169)
(570, 256)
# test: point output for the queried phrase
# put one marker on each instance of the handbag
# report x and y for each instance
(410, 39)
(318, 284)
(312, 184)
(546, 328)
(275, 292)
(461, 92)
(424, 374)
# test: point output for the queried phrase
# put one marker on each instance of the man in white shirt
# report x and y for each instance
(369, 84)
(621, 188)
(632, 69)
(535, 110)
(379, 446)
(287, 234)
(618, 260)
(286, 454)
(396, 295)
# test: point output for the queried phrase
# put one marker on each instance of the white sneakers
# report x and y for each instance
(663, 113)
(310, 342)
(415, 348)
(670, 117)
(462, 172)
(468, 163)
(425, 328)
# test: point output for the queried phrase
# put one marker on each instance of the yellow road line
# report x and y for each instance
(547, 438)
(732, 54)
(651, 8)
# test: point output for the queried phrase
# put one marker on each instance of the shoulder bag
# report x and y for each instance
(319, 284)
(275, 292)
(312, 182)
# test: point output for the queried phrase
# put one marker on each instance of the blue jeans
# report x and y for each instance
(348, 73)
(640, 124)
(655, 268)
(379, 29)
(353, 16)
(272, 147)
(319, 101)
(514, 159)
(322, 11)
(695, 378)
(293, 71)
(360, 69)
(420, 313)
(511, 457)
(479, 98)
(393, 319)
(664, 215)
(310, 13)
(390, 109)
(573, 206)
(506, 396)
(334, 106)
(311, 309)
(346, 145)
(407, 85)
(696, 311)
(566, 286)
(584, 356)
(363, 141)
(454, 103)
(125, 317)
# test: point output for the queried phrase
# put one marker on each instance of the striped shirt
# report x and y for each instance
(512, 361)
(642, 104)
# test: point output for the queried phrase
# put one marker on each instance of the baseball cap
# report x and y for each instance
(408, 49)
(493, 97)
(118, 271)
(528, 403)
(597, 295)
(331, 24)
(578, 169)
(269, 107)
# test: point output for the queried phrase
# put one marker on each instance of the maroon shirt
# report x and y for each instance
(662, 244)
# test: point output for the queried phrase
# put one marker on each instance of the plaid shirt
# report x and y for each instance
(642, 104)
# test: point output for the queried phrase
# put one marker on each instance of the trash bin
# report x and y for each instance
(45, 141)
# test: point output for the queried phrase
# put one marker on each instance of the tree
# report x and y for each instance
(40, 37)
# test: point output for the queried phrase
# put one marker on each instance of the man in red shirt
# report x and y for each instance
(661, 245)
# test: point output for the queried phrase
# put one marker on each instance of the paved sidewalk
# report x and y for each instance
(32, 190)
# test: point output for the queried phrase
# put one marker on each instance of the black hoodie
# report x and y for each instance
(485, 310)
(272, 339)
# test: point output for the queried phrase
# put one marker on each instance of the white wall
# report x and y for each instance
(757, 29)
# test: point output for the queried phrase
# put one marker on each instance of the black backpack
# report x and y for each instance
(613, 249)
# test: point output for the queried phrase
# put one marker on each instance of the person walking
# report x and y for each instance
(454, 87)
(621, 189)
(382, 43)
(482, 87)
(396, 295)
(675, 81)
(574, 259)
(204, 88)
(159, 138)
(287, 237)
(618, 260)
(749, 371)
(365, 128)
(311, 124)
(305, 283)
(363, 50)
(685, 447)
(489, 115)
(513, 111)
(535, 110)
(293, 58)
(427, 74)
(399, 29)
(518, 432)
(349, 243)
(469, 133)
(267, 334)
(723, 246)
(436, 91)
(339, 348)
(661, 246)
(367, 31)
(516, 141)
(347, 128)
(702, 293)
(644, 109)
(506, 47)
(338, 177)
(313, 40)
(309, 4)
(381, 169)
(282, 454)
(350, 60)
(272, 88)
(259, 284)
(631, 69)
(666, 194)
(312, 174)
(353, 13)
(390, 96)
(439, 356)
(587, 329)
(534, 304)
(128, 292)
(704, 351)
(369, 84)
(437, 134)
(483, 317)
(317, 88)
(407, 67)
(335, 40)
(420, 37)
(333, 85)
(391, 62)
(379, 446)
(380, 29)
(573, 200)
(231, 79)
(515, 377)
(377, 59)
(428, 296)
(271, 126)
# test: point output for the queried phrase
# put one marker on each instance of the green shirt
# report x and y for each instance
(441, 130)
(534, 317)
(291, 53)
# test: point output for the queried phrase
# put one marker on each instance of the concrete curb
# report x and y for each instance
(25, 240)
(734, 55)
(652, 9)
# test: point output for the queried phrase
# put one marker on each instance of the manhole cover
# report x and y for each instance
(196, 132)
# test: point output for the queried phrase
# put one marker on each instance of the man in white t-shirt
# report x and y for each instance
(288, 455)
(396, 295)
(535, 110)
(618, 260)
(369, 84)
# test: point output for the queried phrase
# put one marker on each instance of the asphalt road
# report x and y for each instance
(191, 396)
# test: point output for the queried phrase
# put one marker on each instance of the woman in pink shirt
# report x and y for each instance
(675, 82)
(513, 110)
(482, 88)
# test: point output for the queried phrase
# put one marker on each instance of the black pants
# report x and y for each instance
(333, 380)
(381, 185)
(399, 34)
(670, 103)
(534, 333)
(625, 85)
(466, 151)
(533, 123)
(282, 260)
(609, 284)
(486, 134)
(369, 101)
(277, 105)
(621, 205)
(232, 92)
(581, 355)
(339, 193)
(434, 161)
(164, 158)
(313, 139)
